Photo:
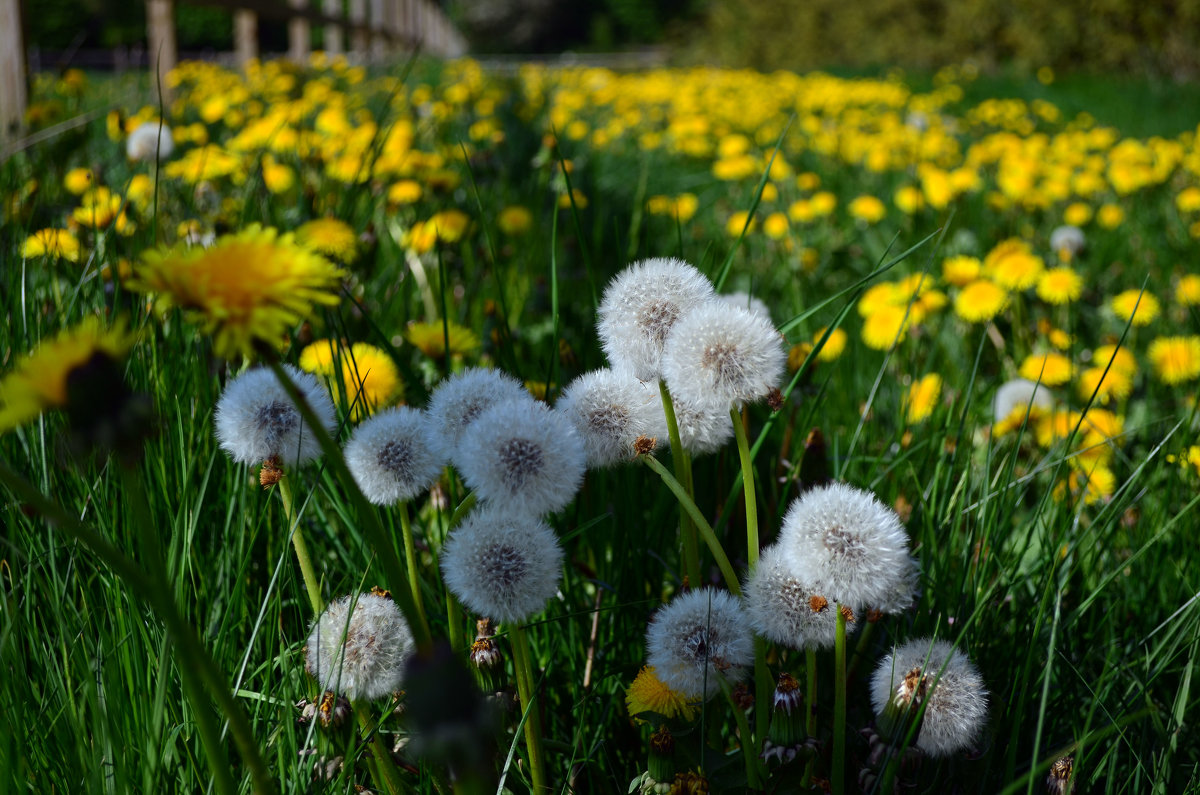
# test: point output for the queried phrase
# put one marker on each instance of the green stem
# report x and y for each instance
(386, 776)
(410, 557)
(706, 531)
(860, 648)
(683, 469)
(838, 774)
(533, 723)
(743, 446)
(454, 614)
(749, 747)
(810, 707)
(311, 584)
(763, 687)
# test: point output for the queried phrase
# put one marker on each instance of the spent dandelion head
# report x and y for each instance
(696, 638)
(639, 307)
(257, 420)
(458, 401)
(703, 427)
(724, 355)
(250, 287)
(359, 646)
(610, 409)
(502, 564)
(781, 607)
(149, 141)
(393, 455)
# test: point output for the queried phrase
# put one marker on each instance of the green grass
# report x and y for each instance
(1083, 618)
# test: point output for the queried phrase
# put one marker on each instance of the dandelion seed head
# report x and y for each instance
(610, 409)
(257, 421)
(460, 399)
(358, 647)
(720, 354)
(394, 455)
(150, 140)
(785, 610)
(699, 636)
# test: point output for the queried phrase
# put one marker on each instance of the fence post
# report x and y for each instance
(334, 36)
(379, 41)
(245, 37)
(160, 37)
(13, 94)
(359, 40)
(299, 35)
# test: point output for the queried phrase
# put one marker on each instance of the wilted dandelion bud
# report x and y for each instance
(723, 355)
(257, 421)
(524, 457)
(950, 686)
(611, 410)
(847, 545)
(783, 609)
(697, 637)
(358, 647)
(1061, 780)
(501, 564)
(787, 734)
(151, 140)
(461, 398)
(394, 455)
(639, 307)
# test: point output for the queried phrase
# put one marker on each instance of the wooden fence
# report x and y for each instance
(362, 29)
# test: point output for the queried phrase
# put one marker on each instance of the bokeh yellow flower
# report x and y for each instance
(1142, 307)
(330, 237)
(515, 220)
(886, 327)
(431, 339)
(60, 243)
(251, 286)
(1051, 369)
(921, 398)
(78, 181)
(1176, 360)
(961, 270)
(867, 209)
(980, 301)
(1059, 286)
(1187, 292)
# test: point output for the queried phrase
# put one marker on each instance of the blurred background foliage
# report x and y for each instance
(1159, 38)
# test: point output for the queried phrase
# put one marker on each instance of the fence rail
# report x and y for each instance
(362, 29)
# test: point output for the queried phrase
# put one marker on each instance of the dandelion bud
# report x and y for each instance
(786, 737)
(661, 763)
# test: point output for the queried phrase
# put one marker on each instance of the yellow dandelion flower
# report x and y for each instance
(868, 209)
(909, 199)
(647, 693)
(878, 296)
(450, 225)
(801, 211)
(39, 380)
(1054, 425)
(1110, 216)
(406, 191)
(1077, 214)
(769, 192)
(576, 197)
(1187, 292)
(737, 222)
(278, 177)
(97, 208)
(1051, 369)
(420, 237)
(59, 243)
(886, 327)
(1093, 482)
(1018, 417)
(330, 237)
(833, 347)
(539, 389)
(319, 357)
(515, 220)
(1188, 200)
(252, 286)
(685, 206)
(776, 226)
(371, 380)
(1113, 385)
(808, 181)
(1012, 265)
(961, 271)
(797, 355)
(205, 163)
(1147, 307)
(1176, 360)
(921, 398)
(1121, 359)
(980, 301)
(430, 339)
(78, 181)
(824, 203)
(1059, 286)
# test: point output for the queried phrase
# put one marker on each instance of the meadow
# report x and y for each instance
(970, 302)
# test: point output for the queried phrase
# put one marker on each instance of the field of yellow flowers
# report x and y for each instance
(914, 509)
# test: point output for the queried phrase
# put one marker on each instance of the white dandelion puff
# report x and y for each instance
(256, 420)
(785, 610)
(148, 140)
(639, 307)
(502, 565)
(358, 647)
(1020, 394)
(754, 304)
(721, 354)
(610, 409)
(523, 456)
(954, 692)
(852, 548)
(461, 398)
(703, 427)
(393, 455)
(1068, 239)
(699, 636)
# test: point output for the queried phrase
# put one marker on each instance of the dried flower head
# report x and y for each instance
(610, 409)
(639, 307)
(847, 544)
(950, 685)
(358, 647)
(151, 140)
(523, 456)
(700, 635)
(394, 455)
(257, 421)
(724, 355)
(501, 564)
(783, 609)
(461, 398)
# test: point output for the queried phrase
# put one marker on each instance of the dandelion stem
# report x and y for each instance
(838, 774)
(739, 432)
(533, 722)
(311, 584)
(683, 469)
(386, 776)
(410, 558)
(749, 747)
(706, 531)
(810, 707)
(454, 616)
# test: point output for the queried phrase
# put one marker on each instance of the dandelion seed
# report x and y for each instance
(358, 647)
(393, 457)
(699, 636)
(722, 355)
(949, 684)
(639, 308)
(257, 421)
(501, 564)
